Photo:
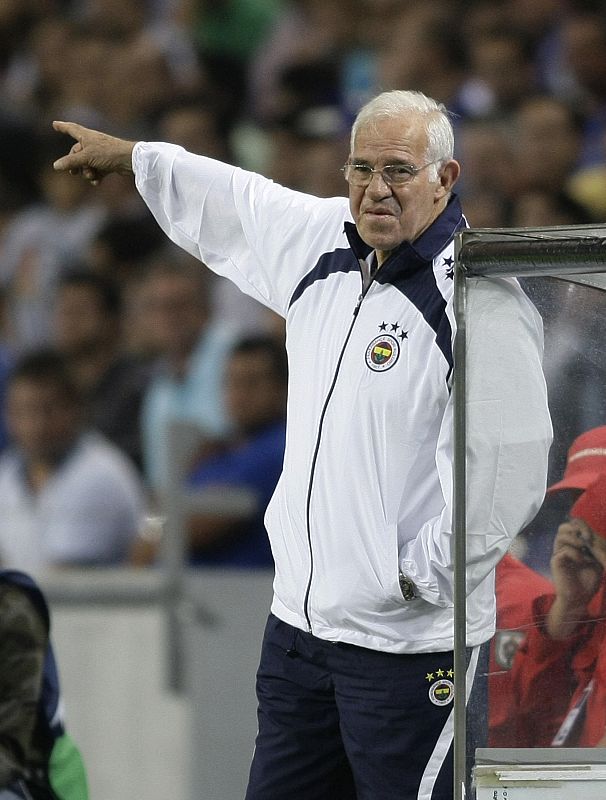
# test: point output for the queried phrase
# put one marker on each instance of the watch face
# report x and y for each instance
(407, 587)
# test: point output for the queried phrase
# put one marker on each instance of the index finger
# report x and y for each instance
(70, 161)
(70, 128)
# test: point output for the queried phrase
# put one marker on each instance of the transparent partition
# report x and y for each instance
(539, 699)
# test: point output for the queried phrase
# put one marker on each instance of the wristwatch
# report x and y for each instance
(407, 587)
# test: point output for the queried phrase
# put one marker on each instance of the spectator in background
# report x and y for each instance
(487, 184)
(191, 355)
(227, 34)
(16, 22)
(68, 496)
(321, 142)
(41, 242)
(248, 462)
(500, 73)
(144, 64)
(192, 123)
(87, 52)
(123, 244)
(36, 73)
(584, 49)
(111, 383)
(137, 84)
(540, 22)
(322, 54)
(423, 28)
(546, 144)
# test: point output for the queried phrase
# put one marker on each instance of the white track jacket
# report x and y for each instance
(366, 489)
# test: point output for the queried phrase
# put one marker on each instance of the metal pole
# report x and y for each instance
(459, 531)
(482, 255)
(182, 440)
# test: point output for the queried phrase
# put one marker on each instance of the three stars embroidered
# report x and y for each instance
(394, 326)
(448, 263)
(439, 673)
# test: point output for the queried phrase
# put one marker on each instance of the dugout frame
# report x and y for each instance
(571, 253)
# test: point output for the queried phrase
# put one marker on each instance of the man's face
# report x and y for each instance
(41, 420)
(546, 144)
(386, 215)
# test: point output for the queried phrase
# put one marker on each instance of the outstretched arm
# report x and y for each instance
(94, 154)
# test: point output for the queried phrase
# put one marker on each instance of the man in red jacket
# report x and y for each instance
(559, 674)
(548, 664)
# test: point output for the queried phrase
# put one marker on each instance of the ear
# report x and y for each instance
(448, 176)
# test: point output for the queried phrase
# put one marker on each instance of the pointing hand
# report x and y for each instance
(94, 154)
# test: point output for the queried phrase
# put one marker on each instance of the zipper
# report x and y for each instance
(312, 470)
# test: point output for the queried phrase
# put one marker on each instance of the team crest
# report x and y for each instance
(441, 692)
(382, 353)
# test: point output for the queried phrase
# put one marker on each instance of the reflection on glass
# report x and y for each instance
(547, 670)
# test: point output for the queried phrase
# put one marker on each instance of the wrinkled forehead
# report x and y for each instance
(406, 132)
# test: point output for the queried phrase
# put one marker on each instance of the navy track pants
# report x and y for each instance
(341, 722)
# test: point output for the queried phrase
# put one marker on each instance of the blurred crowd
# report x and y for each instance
(137, 334)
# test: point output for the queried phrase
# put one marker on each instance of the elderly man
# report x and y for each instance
(355, 682)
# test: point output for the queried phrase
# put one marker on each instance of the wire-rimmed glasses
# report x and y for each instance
(359, 174)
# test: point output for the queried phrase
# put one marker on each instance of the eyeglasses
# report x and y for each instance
(392, 175)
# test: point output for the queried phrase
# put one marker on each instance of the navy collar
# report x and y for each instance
(417, 254)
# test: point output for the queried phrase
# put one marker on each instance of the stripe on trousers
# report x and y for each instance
(445, 738)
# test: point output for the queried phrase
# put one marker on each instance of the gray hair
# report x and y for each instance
(397, 103)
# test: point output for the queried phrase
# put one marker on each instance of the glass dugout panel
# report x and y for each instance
(532, 690)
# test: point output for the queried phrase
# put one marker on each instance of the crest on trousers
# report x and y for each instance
(441, 691)
(382, 353)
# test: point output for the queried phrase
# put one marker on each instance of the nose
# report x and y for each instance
(377, 187)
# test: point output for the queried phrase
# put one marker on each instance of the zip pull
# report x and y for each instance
(358, 304)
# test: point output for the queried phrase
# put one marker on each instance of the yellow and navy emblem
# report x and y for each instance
(382, 353)
(441, 693)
